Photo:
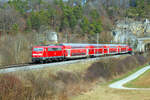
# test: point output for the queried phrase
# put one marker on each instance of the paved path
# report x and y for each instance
(119, 84)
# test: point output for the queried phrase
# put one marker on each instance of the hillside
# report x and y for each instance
(67, 82)
(25, 23)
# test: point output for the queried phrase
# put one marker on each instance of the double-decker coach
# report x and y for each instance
(75, 50)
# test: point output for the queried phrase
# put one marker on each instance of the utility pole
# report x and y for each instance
(97, 38)
(97, 43)
(67, 36)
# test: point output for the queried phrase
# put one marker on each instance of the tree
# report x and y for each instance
(19, 5)
(10, 20)
(94, 14)
(85, 25)
(37, 19)
(140, 9)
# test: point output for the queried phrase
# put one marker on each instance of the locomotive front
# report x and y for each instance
(38, 54)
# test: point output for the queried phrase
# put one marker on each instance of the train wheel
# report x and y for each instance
(61, 59)
(42, 62)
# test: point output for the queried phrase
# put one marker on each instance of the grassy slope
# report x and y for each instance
(70, 83)
(141, 82)
(120, 77)
(103, 92)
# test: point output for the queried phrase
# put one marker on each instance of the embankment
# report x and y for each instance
(63, 82)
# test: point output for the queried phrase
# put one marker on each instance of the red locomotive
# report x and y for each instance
(74, 50)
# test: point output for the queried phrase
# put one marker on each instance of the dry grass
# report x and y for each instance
(66, 81)
(54, 83)
(79, 67)
(105, 93)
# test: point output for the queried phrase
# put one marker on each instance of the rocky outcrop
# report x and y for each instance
(128, 31)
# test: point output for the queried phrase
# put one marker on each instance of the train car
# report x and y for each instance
(76, 50)
(113, 49)
(129, 49)
(123, 49)
(98, 49)
(73, 50)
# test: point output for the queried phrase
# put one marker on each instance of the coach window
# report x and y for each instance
(54, 49)
(50, 49)
(57, 49)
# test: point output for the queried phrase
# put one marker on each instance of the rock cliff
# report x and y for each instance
(129, 31)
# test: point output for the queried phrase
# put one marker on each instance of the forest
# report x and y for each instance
(24, 22)
(72, 16)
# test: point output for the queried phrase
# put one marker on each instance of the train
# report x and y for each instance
(66, 51)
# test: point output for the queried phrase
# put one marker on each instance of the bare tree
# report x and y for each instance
(10, 17)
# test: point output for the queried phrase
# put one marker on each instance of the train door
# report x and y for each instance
(46, 52)
(69, 52)
(108, 50)
(87, 52)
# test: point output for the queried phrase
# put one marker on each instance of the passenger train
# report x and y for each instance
(67, 51)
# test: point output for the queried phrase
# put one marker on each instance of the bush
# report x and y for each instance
(97, 70)
(68, 77)
(111, 67)
(11, 87)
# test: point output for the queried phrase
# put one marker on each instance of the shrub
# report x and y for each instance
(111, 67)
(68, 77)
(11, 87)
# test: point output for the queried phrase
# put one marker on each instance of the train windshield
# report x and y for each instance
(38, 49)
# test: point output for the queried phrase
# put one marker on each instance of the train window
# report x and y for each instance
(54, 49)
(38, 49)
(59, 49)
(50, 49)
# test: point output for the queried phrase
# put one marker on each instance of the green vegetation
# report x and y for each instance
(72, 16)
(56, 14)
(140, 10)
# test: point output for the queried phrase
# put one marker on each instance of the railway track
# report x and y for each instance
(15, 65)
(30, 66)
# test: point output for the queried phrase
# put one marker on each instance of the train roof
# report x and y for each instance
(39, 46)
(78, 44)
(47, 46)
(74, 44)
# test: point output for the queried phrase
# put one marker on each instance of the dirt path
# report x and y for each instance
(119, 84)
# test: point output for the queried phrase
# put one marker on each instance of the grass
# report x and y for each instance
(78, 67)
(141, 82)
(105, 93)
